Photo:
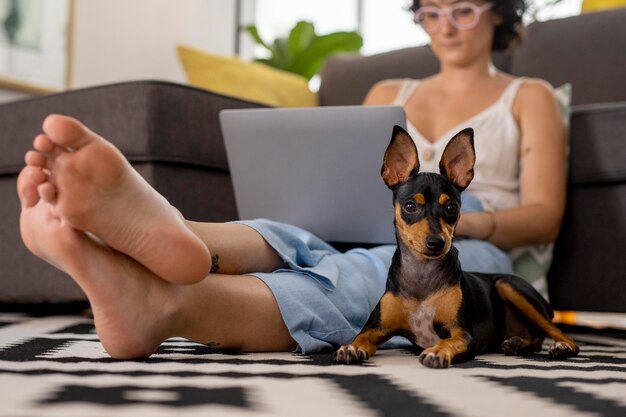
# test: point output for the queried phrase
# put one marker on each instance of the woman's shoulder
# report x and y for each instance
(536, 100)
(534, 92)
(383, 92)
(386, 91)
(535, 89)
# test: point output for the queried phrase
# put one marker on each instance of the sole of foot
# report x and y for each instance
(130, 324)
(93, 188)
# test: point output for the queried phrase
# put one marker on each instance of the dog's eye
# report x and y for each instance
(452, 209)
(410, 207)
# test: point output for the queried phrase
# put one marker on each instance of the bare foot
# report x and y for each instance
(93, 188)
(129, 324)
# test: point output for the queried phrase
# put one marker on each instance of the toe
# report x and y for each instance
(43, 143)
(47, 192)
(511, 346)
(349, 355)
(562, 350)
(435, 359)
(36, 159)
(27, 183)
(66, 131)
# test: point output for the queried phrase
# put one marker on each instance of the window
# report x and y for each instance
(384, 24)
(388, 25)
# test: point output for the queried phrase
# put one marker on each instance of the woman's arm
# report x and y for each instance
(542, 177)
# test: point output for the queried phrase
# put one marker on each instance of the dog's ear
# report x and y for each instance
(457, 161)
(400, 160)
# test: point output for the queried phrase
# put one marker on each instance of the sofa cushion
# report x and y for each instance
(581, 50)
(346, 79)
(601, 160)
(154, 121)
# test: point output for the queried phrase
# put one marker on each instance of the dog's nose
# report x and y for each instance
(435, 243)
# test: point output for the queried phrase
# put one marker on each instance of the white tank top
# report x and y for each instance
(496, 140)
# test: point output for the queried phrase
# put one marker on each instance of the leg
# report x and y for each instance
(363, 347)
(235, 312)
(521, 346)
(535, 322)
(93, 188)
(386, 320)
(135, 310)
(444, 353)
(519, 340)
(236, 248)
(481, 256)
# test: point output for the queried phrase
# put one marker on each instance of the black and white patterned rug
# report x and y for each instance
(55, 366)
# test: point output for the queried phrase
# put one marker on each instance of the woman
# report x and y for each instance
(468, 91)
(273, 286)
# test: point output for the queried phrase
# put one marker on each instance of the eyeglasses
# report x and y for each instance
(464, 15)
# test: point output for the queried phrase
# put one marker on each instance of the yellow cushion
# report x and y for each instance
(595, 5)
(249, 81)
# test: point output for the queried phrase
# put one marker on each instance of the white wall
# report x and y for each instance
(122, 40)
(11, 95)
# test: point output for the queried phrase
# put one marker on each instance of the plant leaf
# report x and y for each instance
(282, 57)
(301, 37)
(254, 32)
(311, 60)
(303, 52)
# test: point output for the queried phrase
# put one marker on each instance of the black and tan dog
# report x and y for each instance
(453, 315)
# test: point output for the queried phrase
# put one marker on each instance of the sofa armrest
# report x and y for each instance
(146, 120)
(587, 273)
(170, 133)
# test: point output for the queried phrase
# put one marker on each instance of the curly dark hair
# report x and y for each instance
(509, 32)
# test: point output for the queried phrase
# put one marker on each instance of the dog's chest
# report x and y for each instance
(420, 321)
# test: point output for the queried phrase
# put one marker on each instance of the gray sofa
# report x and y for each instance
(171, 134)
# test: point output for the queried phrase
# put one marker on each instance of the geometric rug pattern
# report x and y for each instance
(55, 366)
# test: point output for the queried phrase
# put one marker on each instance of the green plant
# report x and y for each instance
(304, 52)
(12, 22)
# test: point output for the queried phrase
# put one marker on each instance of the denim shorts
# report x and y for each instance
(326, 296)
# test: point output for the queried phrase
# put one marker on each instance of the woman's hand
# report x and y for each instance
(477, 225)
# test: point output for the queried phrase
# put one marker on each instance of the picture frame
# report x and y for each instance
(36, 44)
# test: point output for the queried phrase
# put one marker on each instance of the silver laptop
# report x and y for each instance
(317, 168)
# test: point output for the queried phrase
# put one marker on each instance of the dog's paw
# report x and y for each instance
(435, 358)
(563, 350)
(349, 355)
(511, 346)
(521, 347)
